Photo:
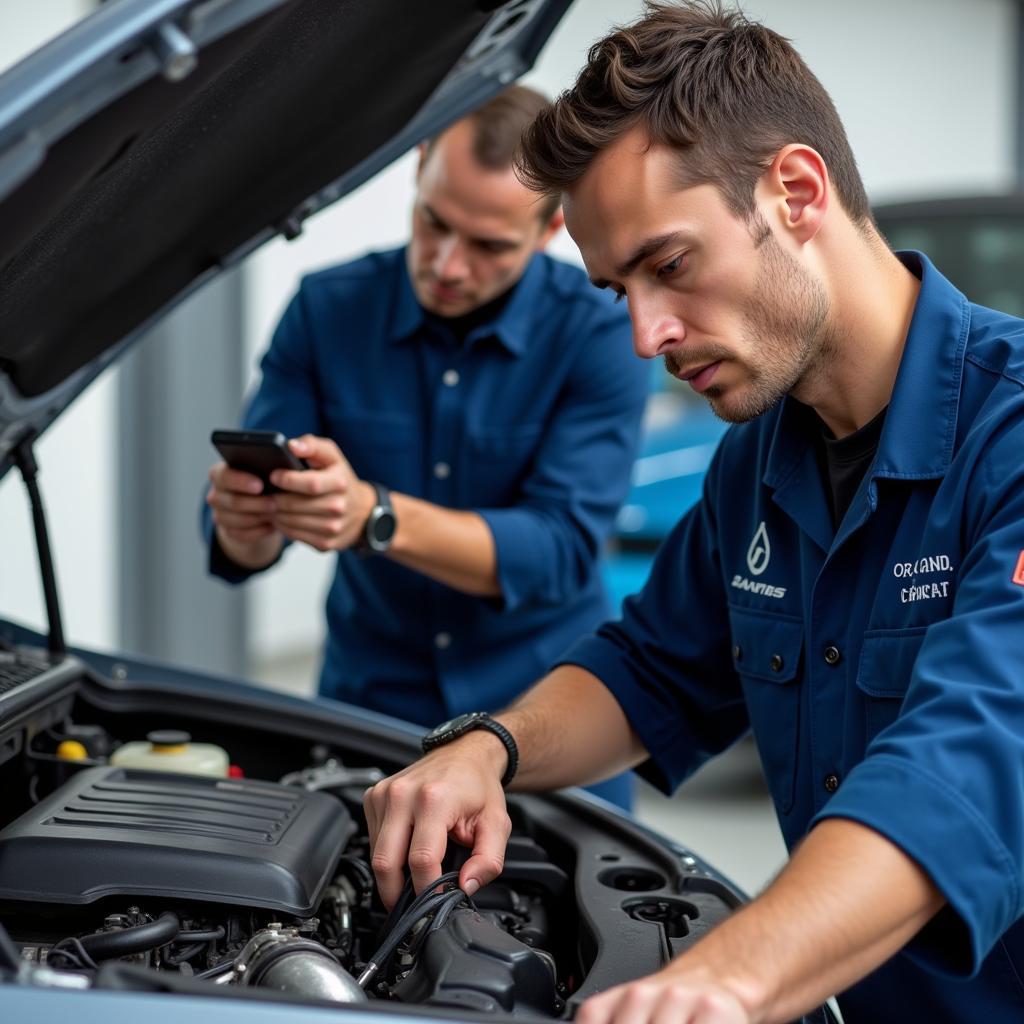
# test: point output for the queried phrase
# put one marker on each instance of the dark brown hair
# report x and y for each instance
(498, 128)
(726, 92)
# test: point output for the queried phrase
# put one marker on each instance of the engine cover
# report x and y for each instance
(117, 831)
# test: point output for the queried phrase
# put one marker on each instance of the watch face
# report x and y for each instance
(380, 528)
(383, 527)
(454, 725)
(440, 730)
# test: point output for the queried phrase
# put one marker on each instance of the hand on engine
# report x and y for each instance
(454, 791)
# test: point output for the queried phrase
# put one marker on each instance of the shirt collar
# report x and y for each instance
(920, 426)
(511, 327)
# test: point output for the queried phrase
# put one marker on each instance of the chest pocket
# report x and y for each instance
(497, 460)
(883, 673)
(767, 651)
(379, 447)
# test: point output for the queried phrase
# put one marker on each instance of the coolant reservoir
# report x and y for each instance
(172, 750)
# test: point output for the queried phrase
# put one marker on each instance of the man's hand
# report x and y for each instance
(665, 998)
(325, 506)
(453, 791)
(242, 516)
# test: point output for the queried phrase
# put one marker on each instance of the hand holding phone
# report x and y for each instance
(326, 508)
(258, 452)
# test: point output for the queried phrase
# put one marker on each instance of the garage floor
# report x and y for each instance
(723, 813)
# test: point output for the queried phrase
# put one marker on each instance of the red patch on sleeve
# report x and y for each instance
(1018, 574)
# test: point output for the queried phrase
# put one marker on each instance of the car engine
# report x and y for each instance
(258, 884)
(228, 854)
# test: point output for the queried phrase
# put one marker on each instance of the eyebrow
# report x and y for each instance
(646, 249)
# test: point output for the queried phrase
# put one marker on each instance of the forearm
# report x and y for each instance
(451, 546)
(847, 901)
(570, 731)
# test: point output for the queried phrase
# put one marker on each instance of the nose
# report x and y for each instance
(656, 331)
(450, 260)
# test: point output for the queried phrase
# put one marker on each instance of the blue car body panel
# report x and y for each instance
(679, 439)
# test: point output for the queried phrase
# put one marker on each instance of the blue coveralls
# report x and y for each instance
(533, 422)
(880, 665)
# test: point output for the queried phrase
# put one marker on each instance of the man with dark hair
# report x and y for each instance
(846, 588)
(470, 411)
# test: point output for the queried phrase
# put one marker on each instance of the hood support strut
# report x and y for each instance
(25, 460)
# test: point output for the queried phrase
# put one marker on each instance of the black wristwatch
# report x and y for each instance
(448, 731)
(381, 522)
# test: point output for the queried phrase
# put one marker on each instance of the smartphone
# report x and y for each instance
(256, 451)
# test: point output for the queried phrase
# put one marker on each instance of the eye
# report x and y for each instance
(620, 294)
(668, 269)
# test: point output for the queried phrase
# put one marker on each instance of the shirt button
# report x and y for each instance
(777, 663)
(831, 783)
(442, 470)
(737, 653)
(832, 655)
(442, 641)
(450, 378)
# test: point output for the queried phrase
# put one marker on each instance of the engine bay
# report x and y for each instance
(255, 876)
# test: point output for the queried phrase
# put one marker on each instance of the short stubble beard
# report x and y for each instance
(785, 324)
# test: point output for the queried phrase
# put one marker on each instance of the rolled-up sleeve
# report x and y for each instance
(945, 781)
(548, 541)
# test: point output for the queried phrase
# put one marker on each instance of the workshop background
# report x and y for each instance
(930, 92)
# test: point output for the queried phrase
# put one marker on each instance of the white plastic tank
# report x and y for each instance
(172, 750)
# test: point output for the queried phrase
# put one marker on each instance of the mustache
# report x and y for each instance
(677, 362)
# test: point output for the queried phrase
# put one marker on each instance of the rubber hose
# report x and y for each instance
(138, 939)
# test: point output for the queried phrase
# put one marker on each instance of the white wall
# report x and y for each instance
(925, 88)
(76, 457)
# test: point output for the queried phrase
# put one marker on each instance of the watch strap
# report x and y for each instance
(467, 723)
(381, 506)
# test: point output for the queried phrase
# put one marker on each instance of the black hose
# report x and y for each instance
(355, 865)
(421, 908)
(76, 957)
(138, 939)
(186, 953)
(455, 897)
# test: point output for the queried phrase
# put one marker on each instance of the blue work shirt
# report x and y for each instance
(532, 422)
(880, 665)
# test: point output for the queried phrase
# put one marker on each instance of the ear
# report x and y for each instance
(555, 224)
(797, 189)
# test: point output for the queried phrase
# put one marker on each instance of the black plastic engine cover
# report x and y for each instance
(115, 831)
(472, 964)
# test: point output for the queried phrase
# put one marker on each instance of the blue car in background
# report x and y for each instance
(680, 435)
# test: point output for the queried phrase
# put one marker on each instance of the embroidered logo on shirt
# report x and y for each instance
(758, 556)
(1018, 575)
(760, 551)
(922, 588)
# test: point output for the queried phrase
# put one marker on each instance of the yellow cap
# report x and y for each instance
(72, 750)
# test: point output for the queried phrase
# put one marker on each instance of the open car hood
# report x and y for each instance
(158, 142)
